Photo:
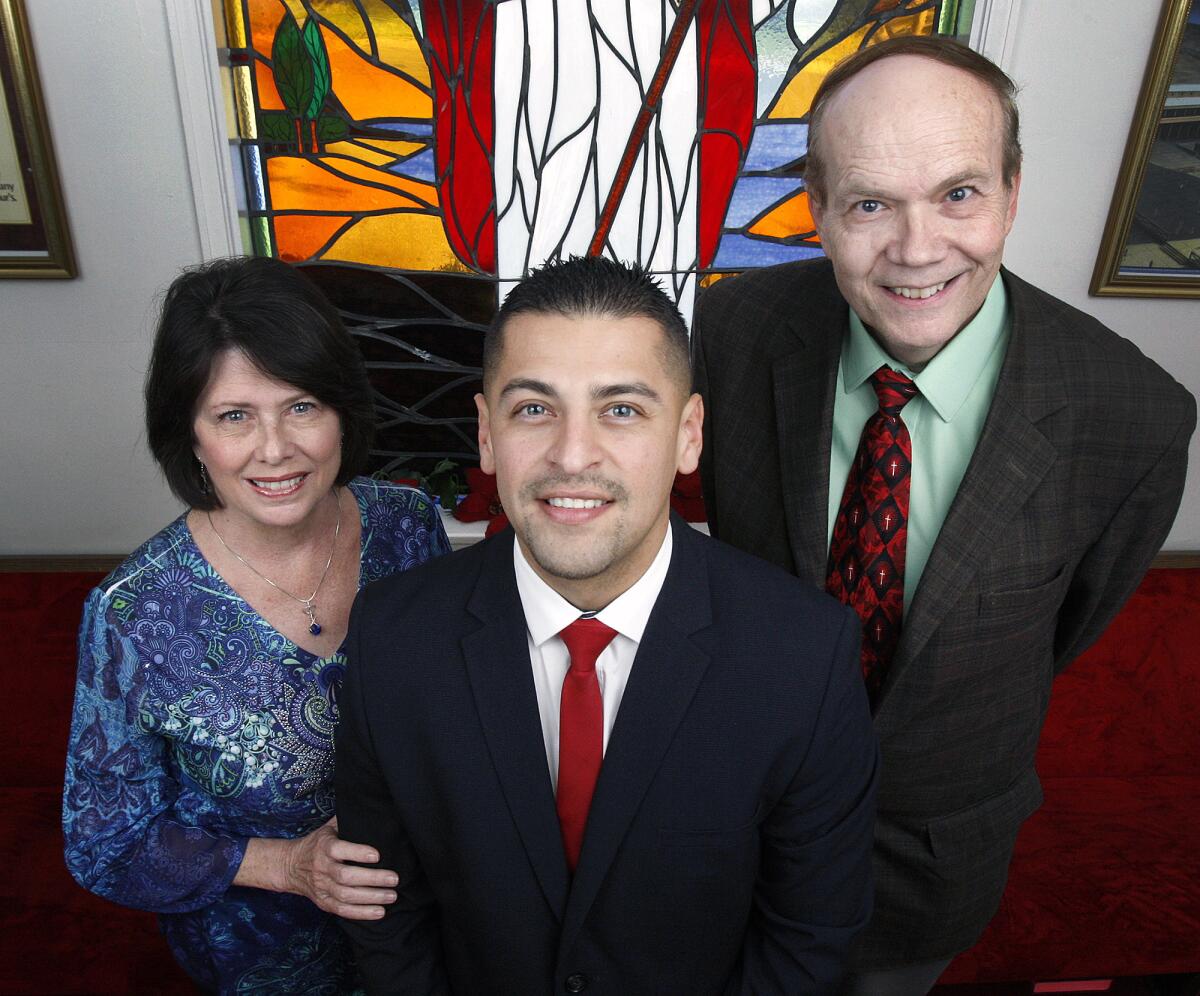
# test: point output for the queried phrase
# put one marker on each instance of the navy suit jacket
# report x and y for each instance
(727, 847)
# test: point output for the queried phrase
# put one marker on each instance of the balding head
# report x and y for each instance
(943, 51)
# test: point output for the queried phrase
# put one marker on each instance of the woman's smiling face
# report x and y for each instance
(272, 451)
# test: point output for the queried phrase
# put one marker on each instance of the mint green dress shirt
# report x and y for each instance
(944, 420)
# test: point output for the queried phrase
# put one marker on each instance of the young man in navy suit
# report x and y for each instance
(605, 753)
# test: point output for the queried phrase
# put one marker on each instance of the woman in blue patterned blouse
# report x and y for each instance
(199, 776)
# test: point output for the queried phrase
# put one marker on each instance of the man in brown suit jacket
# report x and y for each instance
(1039, 520)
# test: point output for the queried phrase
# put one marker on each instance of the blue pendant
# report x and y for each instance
(315, 629)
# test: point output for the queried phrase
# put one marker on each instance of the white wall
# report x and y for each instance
(1080, 64)
(74, 474)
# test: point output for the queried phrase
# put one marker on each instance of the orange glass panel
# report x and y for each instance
(346, 17)
(886, 5)
(787, 219)
(402, 241)
(424, 193)
(265, 16)
(268, 96)
(371, 157)
(302, 184)
(397, 44)
(396, 150)
(297, 9)
(797, 96)
(299, 236)
(369, 92)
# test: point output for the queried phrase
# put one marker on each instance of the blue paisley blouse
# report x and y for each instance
(196, 727)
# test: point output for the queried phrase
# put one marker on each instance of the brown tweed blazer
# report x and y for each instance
(1070, 493)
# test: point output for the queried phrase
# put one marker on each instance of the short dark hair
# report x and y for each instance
(283, 324)
(593, 285)
(938, 48)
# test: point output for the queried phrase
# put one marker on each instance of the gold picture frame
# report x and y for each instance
(34, 239)
(1151, 242)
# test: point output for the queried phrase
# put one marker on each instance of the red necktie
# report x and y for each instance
(866, 556)
(580, 731)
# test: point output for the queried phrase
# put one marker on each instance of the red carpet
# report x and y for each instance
(1106, 880)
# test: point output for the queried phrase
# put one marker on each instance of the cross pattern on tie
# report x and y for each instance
(580, 731)
(866, 555)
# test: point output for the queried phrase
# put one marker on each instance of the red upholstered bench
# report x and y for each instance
(54, 936)
(1106, 877)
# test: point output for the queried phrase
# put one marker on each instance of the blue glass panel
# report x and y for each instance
(752, 195)
(419, 166)
(399, 125)
(775, 145)
(737, 252)
(258, 198)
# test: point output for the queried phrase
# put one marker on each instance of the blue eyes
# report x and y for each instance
(620, 411)
(238, 415)
(955, 196)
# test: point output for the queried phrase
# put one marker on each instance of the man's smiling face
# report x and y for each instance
(915, 209)
(584, 426)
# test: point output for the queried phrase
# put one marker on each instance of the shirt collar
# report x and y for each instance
(547, 613)
(947, 379)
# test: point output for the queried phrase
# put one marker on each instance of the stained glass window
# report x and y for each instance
(417, 157)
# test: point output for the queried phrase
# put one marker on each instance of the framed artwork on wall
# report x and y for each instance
(1151, 243)
(34, 240)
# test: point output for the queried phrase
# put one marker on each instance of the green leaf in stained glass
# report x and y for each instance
(331, 128)
(275, 126)
(314, 44)
(260, 232)
(292, 67)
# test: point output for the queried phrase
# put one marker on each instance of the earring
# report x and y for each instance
(203, 478)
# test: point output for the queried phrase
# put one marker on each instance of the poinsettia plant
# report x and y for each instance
(482, 502)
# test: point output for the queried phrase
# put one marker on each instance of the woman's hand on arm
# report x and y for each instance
(317, 866)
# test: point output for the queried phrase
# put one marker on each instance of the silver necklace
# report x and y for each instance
(310, 607)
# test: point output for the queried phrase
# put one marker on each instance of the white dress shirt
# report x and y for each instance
(547, 614)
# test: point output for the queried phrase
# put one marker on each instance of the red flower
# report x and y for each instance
(482, 502)
(687, 498)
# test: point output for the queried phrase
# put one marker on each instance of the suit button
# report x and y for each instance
(576, 983)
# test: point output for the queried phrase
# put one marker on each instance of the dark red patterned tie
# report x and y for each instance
(866, 555)
(580, 731)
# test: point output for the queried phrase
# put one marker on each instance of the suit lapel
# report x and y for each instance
(1009, 462)
(804, 382)
(498, 667)
(666, 673)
